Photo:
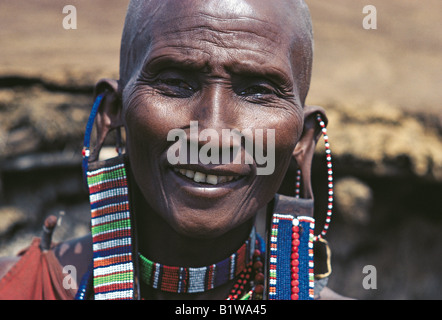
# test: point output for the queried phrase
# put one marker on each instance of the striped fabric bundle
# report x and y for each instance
(113, 269)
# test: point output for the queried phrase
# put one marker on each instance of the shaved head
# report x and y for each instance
(288, 20)
(230, 64)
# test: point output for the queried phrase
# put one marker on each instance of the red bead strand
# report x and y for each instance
(251, 276)
(295, 261)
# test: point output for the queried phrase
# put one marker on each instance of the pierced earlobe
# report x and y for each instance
(104, 115)
(86, 152)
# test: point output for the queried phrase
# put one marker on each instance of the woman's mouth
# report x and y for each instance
(209, 181)
(203, 178)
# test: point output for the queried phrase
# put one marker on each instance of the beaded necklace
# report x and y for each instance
(192, 280)
(245, 265)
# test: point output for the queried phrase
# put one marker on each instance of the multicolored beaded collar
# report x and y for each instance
(193, 280)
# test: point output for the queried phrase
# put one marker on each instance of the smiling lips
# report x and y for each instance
(200, 177)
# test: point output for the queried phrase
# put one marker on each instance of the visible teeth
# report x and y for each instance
(199, 177)
(203, 178)
(190, 174)
(222, 179)
(212, 179)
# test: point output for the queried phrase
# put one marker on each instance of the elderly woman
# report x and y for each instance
(174, 216)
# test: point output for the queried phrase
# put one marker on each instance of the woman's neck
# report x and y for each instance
(160, 243)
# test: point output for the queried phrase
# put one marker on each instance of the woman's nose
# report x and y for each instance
(215, 109)
(216, 116)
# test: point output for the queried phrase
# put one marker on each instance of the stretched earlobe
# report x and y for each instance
(314, 126)
(305, 148)
(108, 115)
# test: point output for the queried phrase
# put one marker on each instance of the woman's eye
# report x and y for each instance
(257, 90)
(176, 87)
(176, 83)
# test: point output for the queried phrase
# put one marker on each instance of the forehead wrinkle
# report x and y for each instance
(226, 35)
(182, 38)
(237, 26)
(209, 40)
(208, 58)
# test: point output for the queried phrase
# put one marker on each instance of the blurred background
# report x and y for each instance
(381, 89)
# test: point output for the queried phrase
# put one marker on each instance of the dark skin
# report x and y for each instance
(236, 64)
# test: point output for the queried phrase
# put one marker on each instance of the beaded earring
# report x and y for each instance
(330, 179)
(298, 183)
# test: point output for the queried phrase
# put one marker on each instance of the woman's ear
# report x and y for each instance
(305, 148)
(109, 113)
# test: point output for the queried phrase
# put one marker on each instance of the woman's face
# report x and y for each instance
(205, 70)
